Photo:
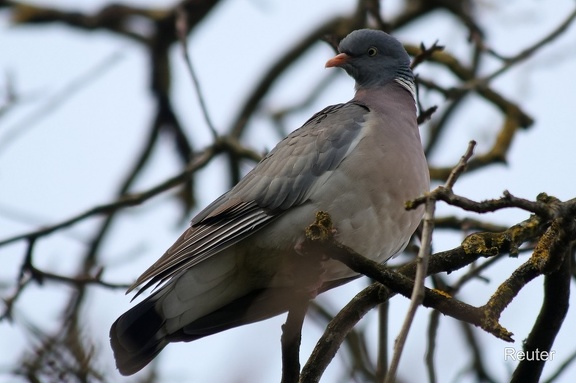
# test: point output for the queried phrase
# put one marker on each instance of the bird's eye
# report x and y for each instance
(372, 51)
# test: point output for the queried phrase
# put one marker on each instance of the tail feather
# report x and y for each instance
(136, 337)
(140, 334)
(256, 306)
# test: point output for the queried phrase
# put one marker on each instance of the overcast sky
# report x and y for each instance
(73, 156)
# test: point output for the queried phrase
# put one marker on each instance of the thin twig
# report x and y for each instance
(417, 292)
(57, 100)
(425, 54)
(24, 278)
(422, 263)
(523, 55)
(181, 30)
(78, 280)
(268, 78)
(567, 363)
(487, 206)
(127, 200)
(461, 166)
(431, 348)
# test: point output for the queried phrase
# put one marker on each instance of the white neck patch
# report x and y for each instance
(408, 85)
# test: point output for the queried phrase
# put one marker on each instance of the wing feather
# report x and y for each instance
(283, 179)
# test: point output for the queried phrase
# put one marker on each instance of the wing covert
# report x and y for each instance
(287, 175)
(281, 180)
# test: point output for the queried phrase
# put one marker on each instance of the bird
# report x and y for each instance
(241, 260)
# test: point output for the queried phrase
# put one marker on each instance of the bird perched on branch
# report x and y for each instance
(241, 260)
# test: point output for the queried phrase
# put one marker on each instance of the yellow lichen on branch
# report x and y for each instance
(321, 229)
(541, 255)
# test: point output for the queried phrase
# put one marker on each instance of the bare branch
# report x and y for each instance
(63, 95)
(431, 345)
(510, 62)
(418, 291)
(425, 53)
(461, 166)
(549, 321)
(291, 339)
(127, 200)
(182, 29)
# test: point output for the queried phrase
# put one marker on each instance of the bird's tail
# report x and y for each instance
(137, 336)
(142, 332)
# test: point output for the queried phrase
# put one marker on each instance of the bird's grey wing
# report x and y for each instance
(283, 179)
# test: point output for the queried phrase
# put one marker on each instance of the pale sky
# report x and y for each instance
(74, 155)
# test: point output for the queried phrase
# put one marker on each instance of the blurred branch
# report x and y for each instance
(134, 199)
(113, 17)
(9, 97)
(182, 30)
(127, 200)
(514, 117)
(29, 273)
(438, 125)
(56, 100)
(466, 224)
(425, 54)
(560, 370)
(477, 364)
(280, 114)
(67, 355)
(432, 334)
(426, 114)
(526, 53)
(330, 30)
(291, 339)
(356, 347)
(382, 356)
(461, 9)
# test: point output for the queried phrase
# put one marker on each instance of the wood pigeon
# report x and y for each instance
(240, 261)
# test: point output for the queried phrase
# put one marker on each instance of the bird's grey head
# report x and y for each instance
(373, 58)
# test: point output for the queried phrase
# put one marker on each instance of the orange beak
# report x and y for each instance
(338, 60)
